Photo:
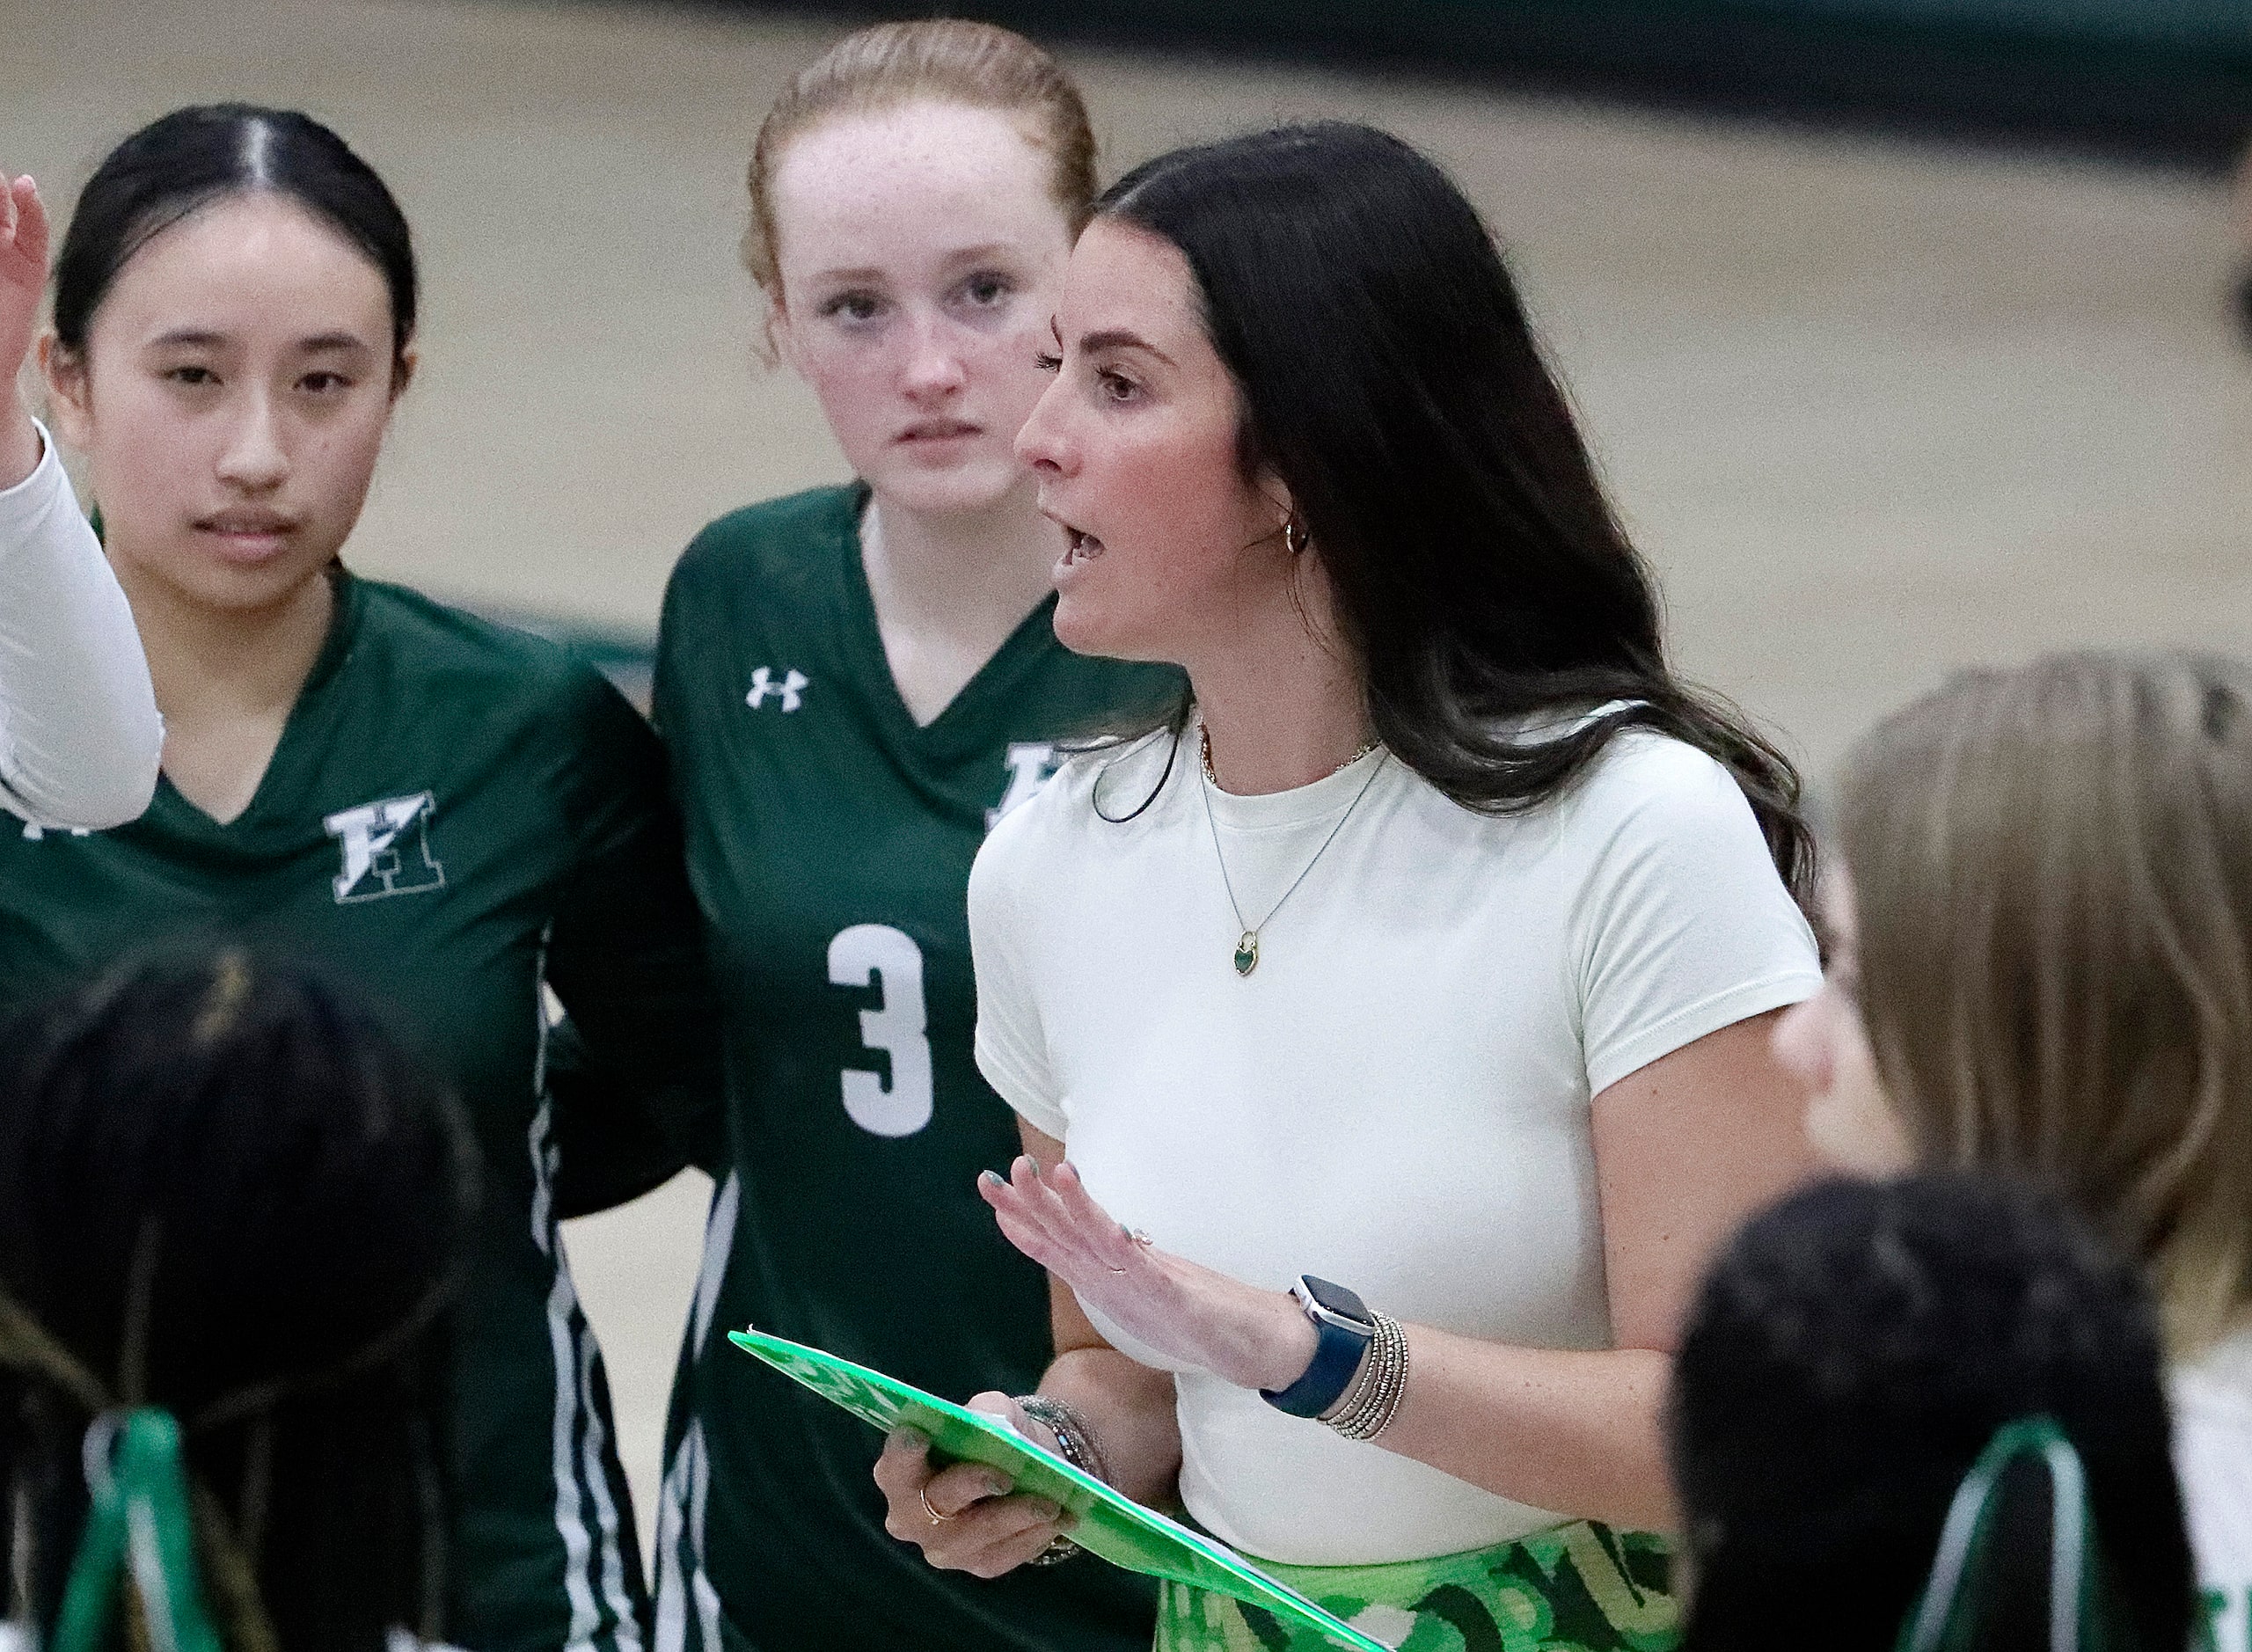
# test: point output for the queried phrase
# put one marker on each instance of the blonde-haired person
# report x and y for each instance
(2041, 961)
(854, 683)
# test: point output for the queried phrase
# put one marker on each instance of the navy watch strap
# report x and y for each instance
(1337, 1352)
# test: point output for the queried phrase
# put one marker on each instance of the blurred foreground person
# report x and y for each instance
(457, 816)
(79, 733)
(1424, 957)
(226, 1195)
(2041, 964)
(1850, 1356)
(854, 683)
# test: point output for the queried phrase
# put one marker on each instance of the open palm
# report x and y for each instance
(22, 270)
(1250, 1337)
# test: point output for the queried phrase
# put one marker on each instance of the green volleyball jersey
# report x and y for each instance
(456, 813)
(830, 840)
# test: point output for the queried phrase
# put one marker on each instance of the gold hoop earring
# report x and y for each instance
(1295, 538)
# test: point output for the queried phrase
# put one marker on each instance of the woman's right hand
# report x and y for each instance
(23, 278)
(967, 1518)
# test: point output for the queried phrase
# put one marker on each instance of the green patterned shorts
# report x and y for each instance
(1578, 1587)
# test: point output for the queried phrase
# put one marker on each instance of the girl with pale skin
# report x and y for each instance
(454, 816)
(82, 733)
(1850, 1124)
(854, 683)
(1200, 526)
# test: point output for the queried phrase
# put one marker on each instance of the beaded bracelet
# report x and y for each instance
(1075, 1443)
(1374, 1400)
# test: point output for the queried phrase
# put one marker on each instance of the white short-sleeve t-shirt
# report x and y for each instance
(2212, 1455)
(1397, 1099)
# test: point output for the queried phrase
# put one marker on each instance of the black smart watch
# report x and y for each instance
(1343, 1329)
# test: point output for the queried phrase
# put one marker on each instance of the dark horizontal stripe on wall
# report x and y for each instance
(2163, 81)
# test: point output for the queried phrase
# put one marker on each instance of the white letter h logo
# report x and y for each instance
(386, 849)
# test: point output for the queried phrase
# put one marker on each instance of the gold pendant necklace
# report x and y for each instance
(1246, 946)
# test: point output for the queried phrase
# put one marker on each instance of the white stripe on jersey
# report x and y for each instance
(718, 1245)
(562, 1308)
(571, 1349)
(628, 1634)
(687, 1487)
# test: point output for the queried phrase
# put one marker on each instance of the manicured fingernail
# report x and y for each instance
(1031, 1166)
(992, 1178)
(911, 1437)
(997, 1487)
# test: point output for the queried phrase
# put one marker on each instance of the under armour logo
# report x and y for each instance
(1030, 768)
(790, 688)
(386, 849)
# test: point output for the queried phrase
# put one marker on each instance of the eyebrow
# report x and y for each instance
(1120, 338)
(962, 255)
(203, 337)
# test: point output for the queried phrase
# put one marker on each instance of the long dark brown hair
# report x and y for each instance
(1390, 379)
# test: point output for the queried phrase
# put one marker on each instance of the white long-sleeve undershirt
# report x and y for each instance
(80, 738)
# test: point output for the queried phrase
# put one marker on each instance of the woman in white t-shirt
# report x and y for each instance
(80, 734)
(1429, 951)
(2041, 961)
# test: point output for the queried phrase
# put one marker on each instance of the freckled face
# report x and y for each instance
(920, 250)
(232, 399)
(1824, 1042)
(1167, 543)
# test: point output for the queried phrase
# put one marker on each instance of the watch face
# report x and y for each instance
(1334, 1298)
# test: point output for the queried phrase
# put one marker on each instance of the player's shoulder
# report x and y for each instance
(1093, 793)
(475, 665)
(765, 546)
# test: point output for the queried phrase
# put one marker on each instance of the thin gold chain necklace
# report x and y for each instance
(1247, 947)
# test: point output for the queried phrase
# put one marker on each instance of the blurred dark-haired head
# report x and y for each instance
(1852, 1354)
(226, 1192)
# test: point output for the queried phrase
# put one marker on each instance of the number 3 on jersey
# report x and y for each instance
(878, 955)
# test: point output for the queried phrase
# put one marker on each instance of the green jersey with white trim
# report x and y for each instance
(456, 813)
(829, 842)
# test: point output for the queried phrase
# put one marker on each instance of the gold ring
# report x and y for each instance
(924, 1497)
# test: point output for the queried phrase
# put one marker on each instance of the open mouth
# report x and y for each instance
(1081, 547)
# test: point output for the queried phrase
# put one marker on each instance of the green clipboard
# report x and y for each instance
(1111, 1525)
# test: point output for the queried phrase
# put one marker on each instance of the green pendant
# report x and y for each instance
(1247, 953)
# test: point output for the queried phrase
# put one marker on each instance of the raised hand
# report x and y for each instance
(23, 277)
(1253, 1338)
(23, 268)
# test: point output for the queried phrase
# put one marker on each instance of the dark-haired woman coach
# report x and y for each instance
(1421, 967)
